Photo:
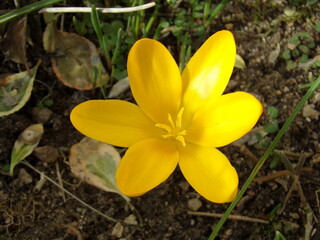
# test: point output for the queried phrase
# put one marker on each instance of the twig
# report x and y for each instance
(60, 181)
(278, 174)
(317, 197)
(293, 187)
(40, 183)
(69, 193)
(297, 186)
(74, 231)
(231, 217)
(103, 10)
(304, 201)
(246, 151)
(293, 154)
(308, 225)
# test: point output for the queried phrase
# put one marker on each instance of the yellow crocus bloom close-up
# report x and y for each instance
(179, 119)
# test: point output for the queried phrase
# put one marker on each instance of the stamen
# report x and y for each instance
(164, 127)
(179, 118)
(171, 121)
(167, 135)
(181, 139)
(183, 132)
(173, 129)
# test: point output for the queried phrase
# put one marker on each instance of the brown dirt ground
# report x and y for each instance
(163, 212)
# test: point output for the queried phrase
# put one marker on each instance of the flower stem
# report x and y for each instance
(265, 156)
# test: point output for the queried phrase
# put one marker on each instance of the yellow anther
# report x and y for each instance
(171, 121)
(179, 118)
(181, 139)
(164, 127)
(183, 132)
(173, 129)
(167, 135)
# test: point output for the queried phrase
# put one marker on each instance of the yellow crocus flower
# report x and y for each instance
(179, 119)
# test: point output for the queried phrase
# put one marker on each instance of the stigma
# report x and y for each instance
(174, 128)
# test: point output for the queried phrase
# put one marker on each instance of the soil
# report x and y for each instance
(167, 212)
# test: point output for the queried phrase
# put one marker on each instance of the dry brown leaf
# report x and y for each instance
(14, 44)
(74, 59)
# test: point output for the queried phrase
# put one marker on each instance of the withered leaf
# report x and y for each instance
(75, 59)
(14, 43)
(96, 163)
(25, 144)
(119, 87)
(15, 90)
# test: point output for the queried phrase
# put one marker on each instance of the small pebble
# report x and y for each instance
(47, 154)
(184, 185)
(295, 215)
(117, 230)
(316, 97)
(23, 178)
(316, 158)
(227, 233)
(286, 89)
(194, 204)
(310, 112)
(229, 26)
(41, 115)
(278, 92)
(131, 220)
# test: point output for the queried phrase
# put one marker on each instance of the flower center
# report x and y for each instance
(174, 129)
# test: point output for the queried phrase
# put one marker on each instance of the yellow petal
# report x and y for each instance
(145, 165)
(221, 122)
(208, 71)
(115, 122)
(209, 172)
(155, 79)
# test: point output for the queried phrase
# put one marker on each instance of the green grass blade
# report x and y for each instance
(117, 48)
(27, 9)
(151, 21)
(267, 153)
(216, 11)
(116, 52)
(97, 28)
